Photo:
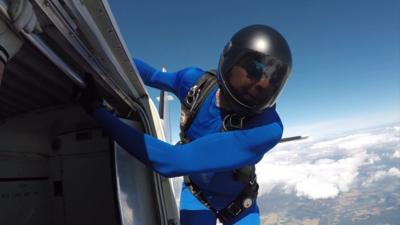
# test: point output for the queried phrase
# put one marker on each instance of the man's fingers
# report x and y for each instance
(38, 28)
(30, 26)
(24, 17)
(15, 9)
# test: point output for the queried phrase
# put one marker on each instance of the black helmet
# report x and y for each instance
(253, 69)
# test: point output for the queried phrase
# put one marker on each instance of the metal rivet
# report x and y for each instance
(247, 203)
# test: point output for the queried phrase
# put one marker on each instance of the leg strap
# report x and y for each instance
(242, 202)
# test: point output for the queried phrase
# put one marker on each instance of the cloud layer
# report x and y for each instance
(382, 174)
(318, 169)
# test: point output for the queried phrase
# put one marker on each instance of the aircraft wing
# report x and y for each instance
(293, 138)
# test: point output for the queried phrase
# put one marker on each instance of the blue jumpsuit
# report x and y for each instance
(210, 158)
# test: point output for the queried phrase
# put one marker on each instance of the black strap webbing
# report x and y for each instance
(194, 99)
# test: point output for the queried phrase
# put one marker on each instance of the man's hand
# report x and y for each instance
(89, 98)
(9, 46)
(23, 16)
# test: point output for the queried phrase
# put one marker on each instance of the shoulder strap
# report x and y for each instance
(193, 100)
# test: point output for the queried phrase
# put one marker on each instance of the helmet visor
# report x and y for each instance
(255, 80)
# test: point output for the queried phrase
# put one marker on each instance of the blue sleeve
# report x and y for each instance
(176, 82)
(205, 154)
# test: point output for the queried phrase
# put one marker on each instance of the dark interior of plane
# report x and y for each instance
(57, 166)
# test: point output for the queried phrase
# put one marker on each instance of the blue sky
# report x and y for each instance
(346, 54)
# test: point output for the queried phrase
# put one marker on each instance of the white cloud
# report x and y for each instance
(324, 178)
(373, 158)
(338, 126)
(394, 172)
(168, 97)
(318, 169)
(396, 154)
(358, 141)
(381, 174)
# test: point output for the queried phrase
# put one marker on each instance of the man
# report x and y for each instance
(233, 127)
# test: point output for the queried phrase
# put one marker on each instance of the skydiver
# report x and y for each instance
(228, 123)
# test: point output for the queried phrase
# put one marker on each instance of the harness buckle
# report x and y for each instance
(192, 96)
(247, 203)
(233, 122)
(253, 180)
(234, 209)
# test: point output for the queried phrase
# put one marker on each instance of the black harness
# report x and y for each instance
(190, 107)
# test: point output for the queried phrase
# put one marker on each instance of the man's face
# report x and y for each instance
(249, 89)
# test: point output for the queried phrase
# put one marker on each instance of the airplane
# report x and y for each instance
(57, 166)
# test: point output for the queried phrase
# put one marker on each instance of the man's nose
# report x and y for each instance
(263, 83)
(260, 86)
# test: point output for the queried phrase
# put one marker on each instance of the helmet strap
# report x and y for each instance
(222, 102)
